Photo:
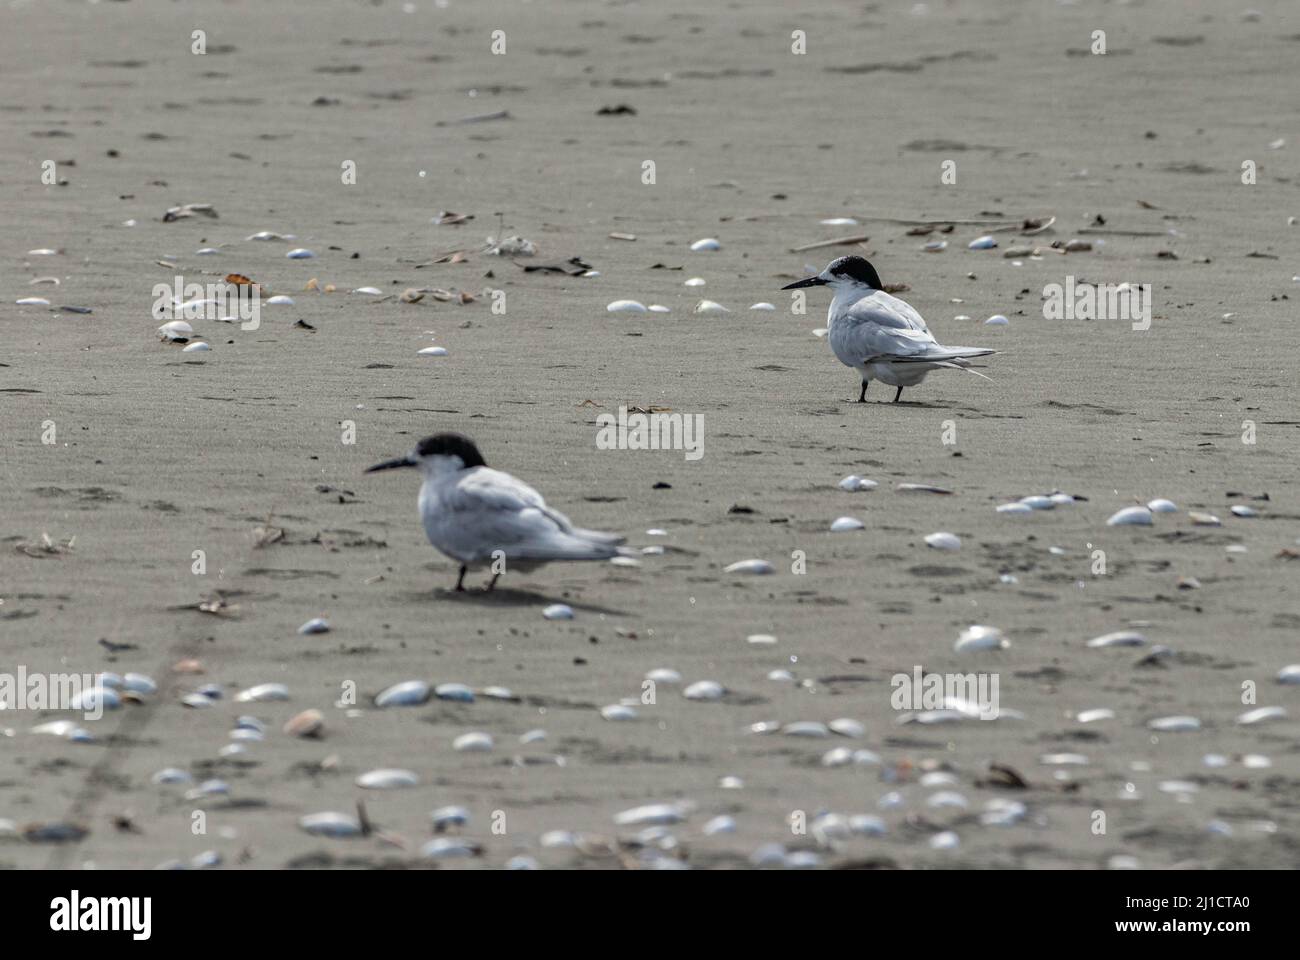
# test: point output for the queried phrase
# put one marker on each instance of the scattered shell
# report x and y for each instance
(263, 692)
(847, 727)
(198, 347)
(32, 302)
(694, 282)
(762, 306)
(854, 483)
(626, 306)
(177, 330)
(94, 699)
(445, 817)
(441, 848)
(330, 824)
(710, 307)
(1063, 760)
(947, 798)
(945, 841)
(704, 690)
(369, 291)
(750, 566)
(315, 625)
(408, 693)
(839, 222)
(706, 244)
(658, 308)
(433, 352)
(1289, 674)
(1161, 505)
(761, 639)
(1241, 510)
(1204, 519)
(943, 541)
(1260, 714)
(997, 320)
(558, 611)
(618, 711)
(1139, 516)
(983, 243)
(920, 488)
(387, 779)
(1092, 716)
(309, 723)
(300, 253)
(844, 524)
(657, 814)
(806, 728)
(476, 742)
(1038, 502)
(980, 638)
(169, 775)
(719, 824)
(664, 675)
(1120, 638)
(1177, 724)
(454, 691)
(280, 300)
(1016, 509)
(935, 246)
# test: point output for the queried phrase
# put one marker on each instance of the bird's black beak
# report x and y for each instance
(392, 464)
(810, 282)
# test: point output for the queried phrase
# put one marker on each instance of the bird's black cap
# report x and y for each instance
(451, 445)
(858, 268)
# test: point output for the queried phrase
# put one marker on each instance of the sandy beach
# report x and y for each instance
(123, 456)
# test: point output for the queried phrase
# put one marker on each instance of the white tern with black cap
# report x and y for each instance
(880, 336)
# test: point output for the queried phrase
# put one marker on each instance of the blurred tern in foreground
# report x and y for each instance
(478, 515)
(880, 336)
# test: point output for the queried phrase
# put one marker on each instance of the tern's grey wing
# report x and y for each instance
(880, 309)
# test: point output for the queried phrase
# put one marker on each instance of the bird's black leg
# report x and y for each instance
(862, 397)
(495, 577)
(899, 394)
(460, 581)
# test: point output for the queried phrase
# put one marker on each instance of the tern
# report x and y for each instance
(880, 336)
(480, 517)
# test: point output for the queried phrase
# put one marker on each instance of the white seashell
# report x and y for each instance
(445, 817)
(839, 222)
(522, 862)
(476, 742)
(1002, 813)
(847, 727)
(369, 291)
(731, 783)
(1241, 510)
(892, 800)
(947, 798)
(454, 691)
(710, 307)
(206, 252)
(781, 676)
(983, 243)
(761, 639)
(57, 728)
(1204, 519)
(618, 711)
(945, 841)
(750, 566)
(175, 330)
(658, 308)
(171, 775)
(198, 347)
(655, 814)
(625, 306)
(854, 483)
(1260, 714)
(300, 253)
(1092, 716)
(558, 611)
(408, 693)
(533, 736)
(839, 757)
(980, 638)
(1214, 760)
(1038, 502)
(558, 838)
(266, 235)
(652, 551)
(110, 679)
(330, 824)
(1161, 505)
(806, 728)
(1063, 760)
(1120, 638)
(867, 825)
(997, 320)
(694, 282)
(244, 735)
(1061, 498)
(1174, 724)
(1139, 516)
(719, 824)
(280, 300)
(1256, 761)
(387, 779)
(844, 524)
(208, 788)
(1016, 509)
(928, 717)
(1178, 786)
(441, 848)
(232, 750)
(263, 692)
(934, 246)
(43, 252)
(709, 243)
(94, 699)
(764, 305)
(943, 541)
(624, 561)
(664, 675)
(821, 332)
(704, 690)
(32, 302)
(315, 625)
(1289, 674)
(197, 701)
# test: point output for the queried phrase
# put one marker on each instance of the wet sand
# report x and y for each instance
(159, 454)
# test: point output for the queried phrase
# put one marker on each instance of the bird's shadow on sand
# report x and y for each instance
(506, 597)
